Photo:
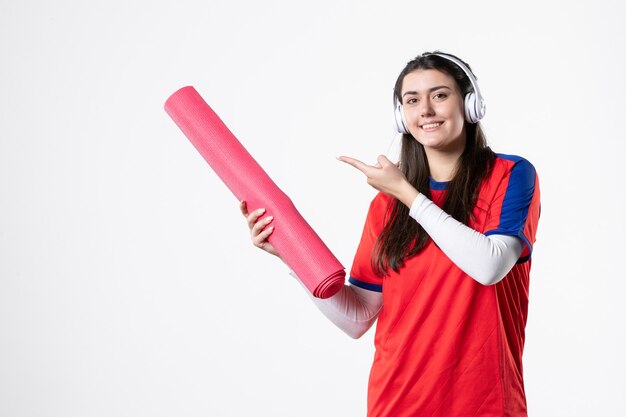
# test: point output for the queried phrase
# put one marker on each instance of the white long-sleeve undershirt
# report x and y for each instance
(487, 259)
(354, 310)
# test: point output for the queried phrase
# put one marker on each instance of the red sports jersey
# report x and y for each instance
(447, 345)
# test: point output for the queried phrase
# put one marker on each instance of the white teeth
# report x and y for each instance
(431, 125)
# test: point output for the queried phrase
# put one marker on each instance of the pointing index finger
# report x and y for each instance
(355, 163)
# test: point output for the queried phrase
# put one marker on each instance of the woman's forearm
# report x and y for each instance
(487, 259)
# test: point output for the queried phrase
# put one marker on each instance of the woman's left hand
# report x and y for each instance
(385, 176)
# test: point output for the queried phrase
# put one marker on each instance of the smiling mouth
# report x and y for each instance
(431, 126)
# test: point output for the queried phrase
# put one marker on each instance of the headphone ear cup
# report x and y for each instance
(399, 120)
(480, 108)
(474, 110)
(470, 108)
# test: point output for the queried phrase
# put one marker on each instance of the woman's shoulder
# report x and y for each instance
(380, 208)
(380, 202)
(512, 159)
(511, 172)
(506, 163)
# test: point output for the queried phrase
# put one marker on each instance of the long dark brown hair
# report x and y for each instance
(402, 237)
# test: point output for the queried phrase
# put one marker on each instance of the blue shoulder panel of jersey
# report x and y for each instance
(517, 199)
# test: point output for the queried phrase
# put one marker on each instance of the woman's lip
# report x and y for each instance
(431, 126)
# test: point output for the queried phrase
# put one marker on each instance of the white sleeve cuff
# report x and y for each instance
(354, 310)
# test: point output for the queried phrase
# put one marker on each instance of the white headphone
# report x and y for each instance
(474, 102)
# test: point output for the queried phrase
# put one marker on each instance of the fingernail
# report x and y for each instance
(269, 218)
(261, 211)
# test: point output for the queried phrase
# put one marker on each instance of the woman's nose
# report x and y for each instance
(426, 108)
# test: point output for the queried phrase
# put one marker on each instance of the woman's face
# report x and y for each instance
(433, 110)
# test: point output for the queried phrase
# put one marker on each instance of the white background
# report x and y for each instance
(128, 286)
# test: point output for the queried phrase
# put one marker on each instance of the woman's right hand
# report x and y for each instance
(258, 230)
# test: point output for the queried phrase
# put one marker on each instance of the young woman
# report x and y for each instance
(444, 258)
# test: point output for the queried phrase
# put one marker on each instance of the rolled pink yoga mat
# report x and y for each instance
(299, 245)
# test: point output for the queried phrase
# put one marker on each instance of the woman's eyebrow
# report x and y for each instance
(430, 90)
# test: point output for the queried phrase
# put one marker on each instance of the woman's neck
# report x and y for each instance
(442, 165)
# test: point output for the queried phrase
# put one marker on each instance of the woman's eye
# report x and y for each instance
(411, 101)
(440, 96)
